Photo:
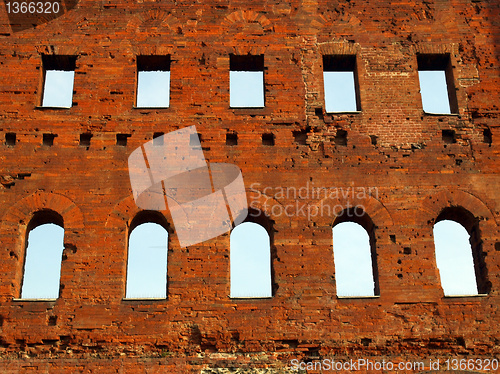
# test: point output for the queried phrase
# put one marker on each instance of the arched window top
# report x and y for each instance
(355, 215)
(44, 248)
(355, 263)
(348, 228)
(251, 228)
(250, 261)
(147, 261)
(459, 215)
(459, 255)
(259, 218)
(454, 258)
(45, 216)
(148, 216)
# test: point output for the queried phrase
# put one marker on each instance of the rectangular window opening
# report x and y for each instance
(437, 87)
(246, 81)
(153, 81)
(340, 83)
(58, 78)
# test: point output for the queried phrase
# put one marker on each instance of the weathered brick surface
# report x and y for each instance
(415, 173)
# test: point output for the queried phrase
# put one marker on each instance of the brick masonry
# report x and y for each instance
(392, 145)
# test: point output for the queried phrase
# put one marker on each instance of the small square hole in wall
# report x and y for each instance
(366, 341)
(10, 139)
(437, 87)
(393, 238)
(158, 138)
(341, 138)
(58, 78)
(48, 139)
(195, 139)
(52, 321)
(246, 81)
(340, 83)
(301, 136)
(153, 81)
(449, 136)
(268, 139)
(121, 139)
(487, 136)
(407, 250)
(231, 139)
(85, 139)
(374, 139)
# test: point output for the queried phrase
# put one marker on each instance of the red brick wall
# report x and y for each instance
(415, 174)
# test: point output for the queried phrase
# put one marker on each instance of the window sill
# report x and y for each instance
(346, 112)
(441, 114)
(250, 298)
(247, 107)
(150, 107)
(39, 107)
(34, 300)
(480, 295)
(358, 297)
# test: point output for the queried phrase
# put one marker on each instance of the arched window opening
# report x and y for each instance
(44, 249)
(147, 258)
(250, 261)
(354, 255)
(459, 256)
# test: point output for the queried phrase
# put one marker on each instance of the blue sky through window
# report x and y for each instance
(147, 262)
(42, 268)
(250, 261)
(340, 91)
(58, 89)
(454, 259)
(434, 91)
(353, 260)
(153, 89)
(246, 89)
